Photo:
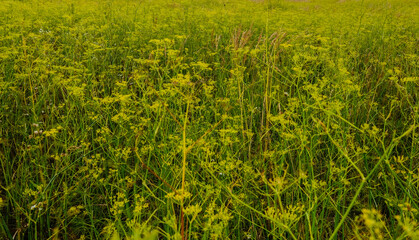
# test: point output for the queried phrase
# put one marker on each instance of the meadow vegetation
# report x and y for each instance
(209, 119)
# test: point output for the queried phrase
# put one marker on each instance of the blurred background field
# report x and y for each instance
(201, 119)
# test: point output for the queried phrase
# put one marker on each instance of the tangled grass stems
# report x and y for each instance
(209, 119)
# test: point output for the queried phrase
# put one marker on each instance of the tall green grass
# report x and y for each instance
(273, 119)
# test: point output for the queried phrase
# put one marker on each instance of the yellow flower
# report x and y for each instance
(192, 210)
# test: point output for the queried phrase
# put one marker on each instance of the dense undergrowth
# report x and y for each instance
(219, 119)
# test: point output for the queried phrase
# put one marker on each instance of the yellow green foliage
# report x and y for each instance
(209, 119)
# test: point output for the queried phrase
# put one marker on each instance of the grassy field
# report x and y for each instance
(209, 119)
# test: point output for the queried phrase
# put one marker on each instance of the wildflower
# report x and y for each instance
(192, 210)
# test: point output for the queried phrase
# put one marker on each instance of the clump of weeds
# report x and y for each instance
(203, 119)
